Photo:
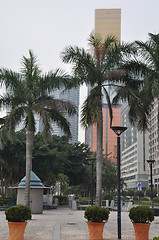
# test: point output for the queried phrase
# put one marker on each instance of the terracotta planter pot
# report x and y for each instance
(16, 230)
(141, 231)
(95, 230)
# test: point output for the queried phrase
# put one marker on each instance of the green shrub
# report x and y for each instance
(18, 213)
(84, 199)
(61, 199)
(156, 199)
(141, 214)
(6, 201)
(145, 199)
(148, 192)
(135, 198)
(156, 238)
(96, 214)
(139, 193)
(130, 192)
(106, 196)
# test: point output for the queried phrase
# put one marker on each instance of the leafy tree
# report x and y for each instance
(60, 156)
(12, 161)
(29, 94)
(130, 192)
(109, 176)
(49, 160)
(148, 192)
(64, 183)
(139, 193)
(144, 69)
(98, 69)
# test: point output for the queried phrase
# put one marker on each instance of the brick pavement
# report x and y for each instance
(64, 224)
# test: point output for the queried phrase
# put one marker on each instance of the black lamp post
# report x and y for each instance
(118, 131)
(150, 161)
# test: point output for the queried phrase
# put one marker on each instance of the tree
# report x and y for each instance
(148, 192)
(109, 176)
(98, 69)
(60, 157)
(12, 161)
(130, 192)
(29, 94)
(139, 194)
(144, 69)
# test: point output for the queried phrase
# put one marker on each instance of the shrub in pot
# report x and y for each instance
(141, 217)
(96, 217)
(17, 217)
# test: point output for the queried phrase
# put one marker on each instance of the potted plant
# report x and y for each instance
(17, 217)
(96, 217)
(141, 217)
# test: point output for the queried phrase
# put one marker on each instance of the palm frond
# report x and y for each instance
(52, 103)
(109, 106)
(91, 107)
(13, 119)
(139, 112)
(9, 78)
(84, 67)
(60, 120)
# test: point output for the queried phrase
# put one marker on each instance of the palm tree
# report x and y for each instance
(29, 94)
(145, 69)
(98, 68)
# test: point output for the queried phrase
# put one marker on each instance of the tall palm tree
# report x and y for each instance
(98, 68)
(29, 94)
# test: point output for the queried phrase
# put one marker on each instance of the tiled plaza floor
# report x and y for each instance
(64, 224)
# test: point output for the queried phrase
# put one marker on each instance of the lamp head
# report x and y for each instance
(150, 161)
(118, 130)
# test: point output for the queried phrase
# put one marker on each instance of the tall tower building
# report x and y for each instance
(107, 22)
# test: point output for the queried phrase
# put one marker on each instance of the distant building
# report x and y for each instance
(109, 137)
(71, 95)
(108, 22)
(134, 153)
(154, 142)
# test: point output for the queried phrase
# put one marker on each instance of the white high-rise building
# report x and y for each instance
(71, 95)
(154, 141)
(134, 153)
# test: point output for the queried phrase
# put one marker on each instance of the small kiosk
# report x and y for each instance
(36, 193)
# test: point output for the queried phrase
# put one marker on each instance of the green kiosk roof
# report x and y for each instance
(34, 181)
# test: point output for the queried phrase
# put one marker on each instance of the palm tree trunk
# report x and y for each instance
(6, 187)
(29, 151)
(2, 188)
(99, 159)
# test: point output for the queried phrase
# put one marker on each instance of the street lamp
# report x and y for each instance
(118, 131)
(150, 161)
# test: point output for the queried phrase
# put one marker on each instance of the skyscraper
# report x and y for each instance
(154, 141)
(107, 22)
(71, 95)
(134, 154)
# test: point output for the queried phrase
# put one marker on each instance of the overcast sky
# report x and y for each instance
(48, 26)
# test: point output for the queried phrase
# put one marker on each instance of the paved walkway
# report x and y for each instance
(64, 224)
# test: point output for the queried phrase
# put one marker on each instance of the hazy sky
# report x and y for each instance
(48, 26)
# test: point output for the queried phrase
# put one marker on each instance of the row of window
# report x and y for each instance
(129, 150)
(129, 178)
